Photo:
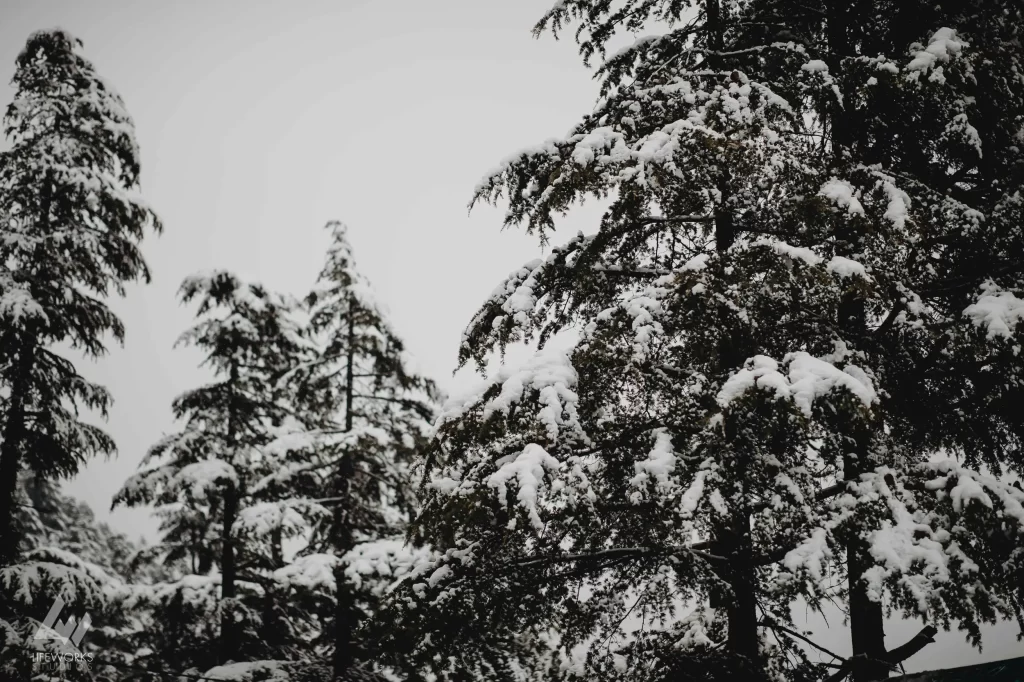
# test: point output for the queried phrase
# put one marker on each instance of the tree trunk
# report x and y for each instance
(867, 621)
(229, 639)
(228, 628)
(15, 428)
(345, 616)
(740, 602)
(742, 609)
(10, 451)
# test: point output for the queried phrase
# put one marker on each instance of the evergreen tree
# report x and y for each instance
(201, 475)
(796, 353)
(363, 418)
(72, 223)
(71, 234)
(309, 436)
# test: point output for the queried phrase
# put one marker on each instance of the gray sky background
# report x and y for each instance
(261, 120)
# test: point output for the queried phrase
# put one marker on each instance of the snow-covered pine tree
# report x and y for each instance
(67, 553)
(72, 223)
(363, 417)
(200, 476)
(913, 112)
(796, 351)
(72, 226)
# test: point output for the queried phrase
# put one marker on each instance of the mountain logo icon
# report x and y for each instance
(67, 632)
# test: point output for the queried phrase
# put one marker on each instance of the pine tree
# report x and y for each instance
(365, 415)
(71, 234)
(72, 223)
(310, 435)
(796, 353)
(201, 475)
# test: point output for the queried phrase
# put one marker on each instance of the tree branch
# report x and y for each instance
(775, 626)
(922, 639)
(679, 219)
(891, 658)
(697, 549)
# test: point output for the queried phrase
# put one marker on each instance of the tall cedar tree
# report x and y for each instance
(70, 235)
(70, 232)
(369, 415)
(797, 356)
(201, 475)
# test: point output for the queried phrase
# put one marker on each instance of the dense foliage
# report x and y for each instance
(796, 359)
(784, 369)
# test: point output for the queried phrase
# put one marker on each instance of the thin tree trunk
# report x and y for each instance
(228, 628)
(276, 554)
(10, 452)
(205, 563)
(229, 639)
(345, 617)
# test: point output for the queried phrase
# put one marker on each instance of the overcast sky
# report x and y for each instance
(261, 120)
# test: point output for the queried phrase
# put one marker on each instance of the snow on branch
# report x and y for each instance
(943, 46)
(380, 564)
(291, 516)
(548, 375)
(659, 463)
(310, 572)
(844, 194)
(624, 146)
(201, 591)
(996, 310)
(838, 265)
(18, 305)
(251, 671)
(202, 477)
(376, 565)
(971, 487)
(25, 583)
(804, 380)
(528, 468)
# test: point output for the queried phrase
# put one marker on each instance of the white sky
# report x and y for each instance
(260, 121)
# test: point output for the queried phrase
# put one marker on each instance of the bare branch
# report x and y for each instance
(775, 626)
(922, 639)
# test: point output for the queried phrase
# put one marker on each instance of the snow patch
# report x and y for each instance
(806, 379)
(844, 194)
(844, 267)
(528, 468)
(943, 47)
(998, 311)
